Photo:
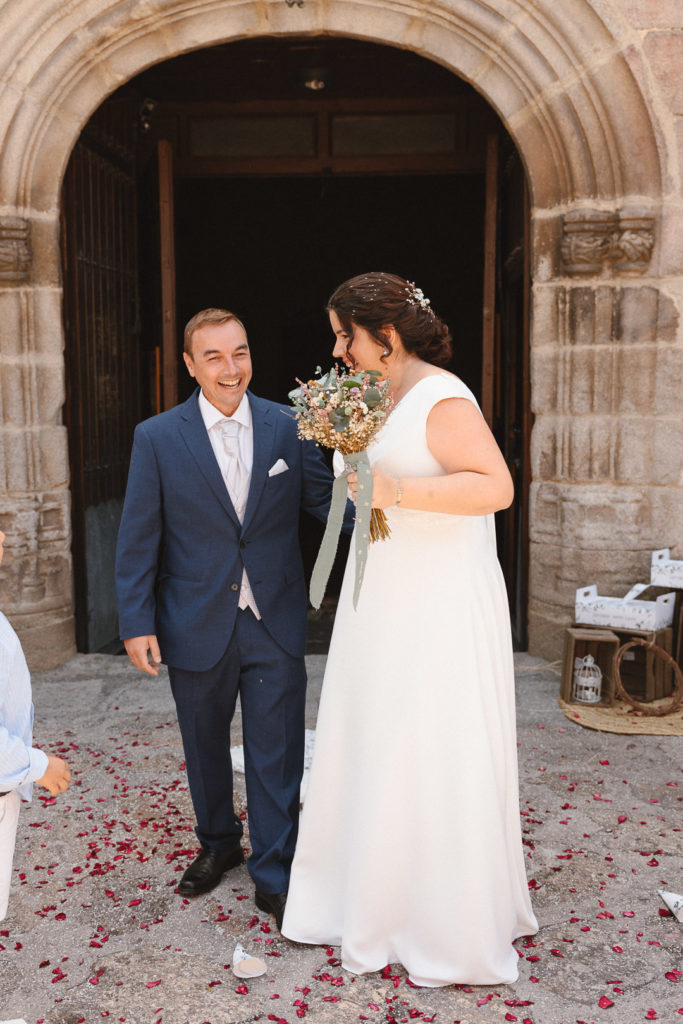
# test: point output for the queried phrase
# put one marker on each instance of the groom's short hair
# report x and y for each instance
(204, 318)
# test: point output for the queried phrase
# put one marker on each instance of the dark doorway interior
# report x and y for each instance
(277, 247)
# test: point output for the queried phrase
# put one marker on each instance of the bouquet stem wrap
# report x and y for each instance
(358, 462)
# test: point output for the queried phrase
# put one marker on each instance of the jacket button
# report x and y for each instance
(234, 586)
(243, 543)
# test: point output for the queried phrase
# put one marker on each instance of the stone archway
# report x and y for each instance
(571, 89)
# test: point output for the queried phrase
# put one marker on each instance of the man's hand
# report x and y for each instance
(137, 648)
(57, 777)
(384, 489)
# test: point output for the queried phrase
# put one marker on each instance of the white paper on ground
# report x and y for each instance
(245, 965)
(674, 901)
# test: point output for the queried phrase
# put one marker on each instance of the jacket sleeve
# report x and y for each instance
(139, 541)
(316, 492)
(317, 487)
(20, 763)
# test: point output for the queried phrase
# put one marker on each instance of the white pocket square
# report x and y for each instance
(279, 467)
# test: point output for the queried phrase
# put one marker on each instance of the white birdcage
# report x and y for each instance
(587, 687)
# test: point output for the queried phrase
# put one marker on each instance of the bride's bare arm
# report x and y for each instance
(477, 480)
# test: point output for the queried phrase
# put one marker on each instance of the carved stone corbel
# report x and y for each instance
(635, 241)
(587, 238)
(15, 249)
(599, 241)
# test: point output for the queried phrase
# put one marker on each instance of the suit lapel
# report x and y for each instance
(263, 425)
(195, 436)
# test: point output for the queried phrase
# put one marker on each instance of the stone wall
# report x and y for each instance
(592, 93)
(607, 360)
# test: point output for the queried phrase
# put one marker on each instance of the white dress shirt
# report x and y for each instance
(213, 418)
(20, 763)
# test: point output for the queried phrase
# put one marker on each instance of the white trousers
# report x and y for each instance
(9, 816)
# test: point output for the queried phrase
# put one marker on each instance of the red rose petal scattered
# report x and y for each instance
(651, 1015)
(152, 984)
(604, 1002)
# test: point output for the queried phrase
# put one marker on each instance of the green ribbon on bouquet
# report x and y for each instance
(359, 462)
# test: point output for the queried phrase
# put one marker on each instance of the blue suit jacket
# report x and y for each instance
(181, 547)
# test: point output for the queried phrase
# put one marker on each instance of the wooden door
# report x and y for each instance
(103, 379)
(158, 269)
(169, 331)
(505, 360)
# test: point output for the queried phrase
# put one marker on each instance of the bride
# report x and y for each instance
(410, 849)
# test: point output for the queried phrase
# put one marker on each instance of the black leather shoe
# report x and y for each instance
(272, 903)
(207, 869)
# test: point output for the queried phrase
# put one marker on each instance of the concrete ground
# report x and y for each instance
(95, 931)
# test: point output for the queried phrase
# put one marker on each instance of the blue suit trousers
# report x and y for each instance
(272, 688)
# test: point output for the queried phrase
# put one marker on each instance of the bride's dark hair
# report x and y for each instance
(377, 300)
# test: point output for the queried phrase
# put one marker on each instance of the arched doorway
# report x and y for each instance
(257, 175)
(575, 90)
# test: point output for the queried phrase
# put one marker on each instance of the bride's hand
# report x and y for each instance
(384, 489)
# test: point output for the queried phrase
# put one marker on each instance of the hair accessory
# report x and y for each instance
(416, 297)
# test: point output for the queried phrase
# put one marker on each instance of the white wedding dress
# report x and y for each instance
(410, 845)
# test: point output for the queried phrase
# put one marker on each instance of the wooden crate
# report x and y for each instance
(643, 675)
(580, 641)
(652, 593)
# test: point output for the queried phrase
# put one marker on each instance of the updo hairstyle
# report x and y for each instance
(377, 300)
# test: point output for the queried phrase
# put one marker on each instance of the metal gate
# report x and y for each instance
(103, 358)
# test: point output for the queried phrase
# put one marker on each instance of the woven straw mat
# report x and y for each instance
(623, 718)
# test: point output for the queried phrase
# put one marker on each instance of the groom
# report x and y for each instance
(210, 581)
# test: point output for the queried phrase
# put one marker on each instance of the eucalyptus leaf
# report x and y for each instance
(338, 421)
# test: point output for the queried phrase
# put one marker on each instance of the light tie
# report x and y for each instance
(236, 475)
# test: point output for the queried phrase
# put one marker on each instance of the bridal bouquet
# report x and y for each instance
(344, 411)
